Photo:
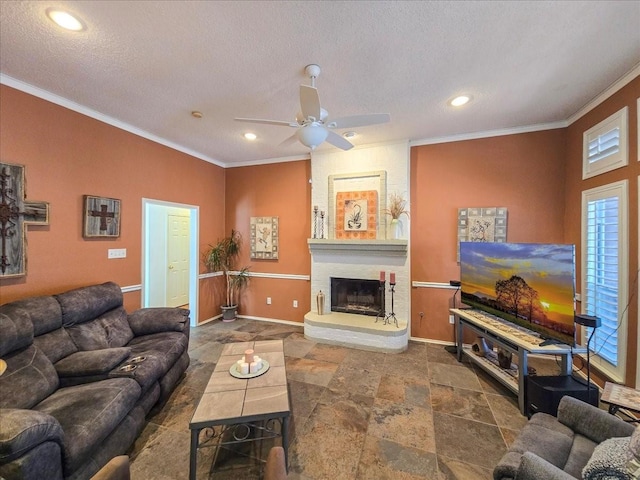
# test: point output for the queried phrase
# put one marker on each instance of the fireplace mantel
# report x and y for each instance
(391, 248)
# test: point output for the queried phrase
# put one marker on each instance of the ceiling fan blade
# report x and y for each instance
(310, 102)
(337, 141)
(267, 122)
(289, 140)
(359, 120)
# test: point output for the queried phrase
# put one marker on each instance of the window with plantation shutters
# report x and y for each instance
(604, 273)
(605, 145)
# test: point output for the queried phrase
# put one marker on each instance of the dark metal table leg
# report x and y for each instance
(193, 454)
(285, 441)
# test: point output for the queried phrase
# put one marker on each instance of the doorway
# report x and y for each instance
(170, 255)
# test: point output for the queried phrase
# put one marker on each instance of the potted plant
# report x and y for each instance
(223, 257)
(397, 207)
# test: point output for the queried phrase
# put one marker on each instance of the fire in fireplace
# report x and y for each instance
(355, 295)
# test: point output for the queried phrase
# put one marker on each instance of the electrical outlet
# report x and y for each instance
(295, 304)
(268, 300)
(117, 253)
(452, 319)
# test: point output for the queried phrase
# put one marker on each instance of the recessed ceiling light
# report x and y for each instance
(196, 114)
(460, 100)
(250, 136)
(65, 20)
(349, 134)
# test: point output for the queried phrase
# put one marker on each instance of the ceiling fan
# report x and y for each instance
(312, 124)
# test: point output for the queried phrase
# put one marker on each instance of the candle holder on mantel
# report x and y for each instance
(321, 223)
(381, 313)
(315, 221)
(392, 315)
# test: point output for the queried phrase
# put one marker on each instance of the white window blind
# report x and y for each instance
(604, 273)
(605, 145)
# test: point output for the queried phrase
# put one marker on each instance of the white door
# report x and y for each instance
(177, 260)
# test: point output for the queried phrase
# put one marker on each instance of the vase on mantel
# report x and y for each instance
(395, 229)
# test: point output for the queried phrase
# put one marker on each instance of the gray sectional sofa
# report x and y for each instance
(71, 398)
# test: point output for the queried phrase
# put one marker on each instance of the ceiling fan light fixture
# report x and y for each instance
(460, 100)
(312, 135)
(65, 20)
(349, 134)
(250, 136)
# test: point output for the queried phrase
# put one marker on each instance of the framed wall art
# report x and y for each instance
(355, 205)
(488, 224)
(101, 217)
(17, 214)
(264, 238)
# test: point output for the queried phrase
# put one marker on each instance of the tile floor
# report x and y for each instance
(356, 414)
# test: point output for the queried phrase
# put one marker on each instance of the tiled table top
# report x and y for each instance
(228, 400)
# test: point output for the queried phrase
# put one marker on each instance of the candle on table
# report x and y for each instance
(382, 279)
(253, 367)
(244, 368)
(258, 361)
(392, 280)
(248, 355)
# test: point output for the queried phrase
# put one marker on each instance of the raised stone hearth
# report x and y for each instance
(352, 330)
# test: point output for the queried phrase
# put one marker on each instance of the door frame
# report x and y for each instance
(194, 253)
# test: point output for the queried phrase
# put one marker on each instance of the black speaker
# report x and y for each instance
(544, 393)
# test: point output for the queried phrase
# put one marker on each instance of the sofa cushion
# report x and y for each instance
(29, 378)
(56, 344)
(167, 347)
(87, 303)
(581, 452)
(108, 330)
(92, 362)
(22, 430)
(88, 414)
(16, 329)
(44, 312)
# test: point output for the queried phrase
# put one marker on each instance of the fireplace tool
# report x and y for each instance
(381, 313)
(391, 315)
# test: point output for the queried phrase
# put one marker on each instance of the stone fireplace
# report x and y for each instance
(350, 313)
(356, 295)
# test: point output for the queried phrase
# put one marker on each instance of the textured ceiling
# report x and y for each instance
(148, 64)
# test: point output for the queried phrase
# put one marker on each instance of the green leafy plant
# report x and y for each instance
(223, 256)
(397, 206)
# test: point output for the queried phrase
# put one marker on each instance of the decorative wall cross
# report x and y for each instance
(103, 214)
(15, 215)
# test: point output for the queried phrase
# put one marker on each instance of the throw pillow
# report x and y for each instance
(609, 461)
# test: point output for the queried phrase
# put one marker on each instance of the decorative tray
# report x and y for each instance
(236, 373)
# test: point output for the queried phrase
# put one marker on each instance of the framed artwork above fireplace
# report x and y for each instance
(355, 203)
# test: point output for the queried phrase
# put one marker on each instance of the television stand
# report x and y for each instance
(517, 340)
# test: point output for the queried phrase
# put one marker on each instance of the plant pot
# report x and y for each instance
(229, 313)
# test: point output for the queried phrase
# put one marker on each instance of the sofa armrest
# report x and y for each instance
(160, 319)
(23, 430)
(91, 362)
(532, 467)
(593, 423)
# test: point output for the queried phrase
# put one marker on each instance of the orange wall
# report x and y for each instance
(68, 155)
(275, 190)
(523, 172)
(574, 187)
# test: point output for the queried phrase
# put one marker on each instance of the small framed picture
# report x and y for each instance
(101, 217)
(264, 238)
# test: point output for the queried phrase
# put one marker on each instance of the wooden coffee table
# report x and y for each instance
(246, 409)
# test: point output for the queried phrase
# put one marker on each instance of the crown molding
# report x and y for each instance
(617, 85)
(76, 107)
(267, 161)
(490, 133)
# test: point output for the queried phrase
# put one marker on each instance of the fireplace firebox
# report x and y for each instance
(354, 295)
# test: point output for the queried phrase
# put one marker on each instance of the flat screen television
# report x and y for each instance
(528, 284)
